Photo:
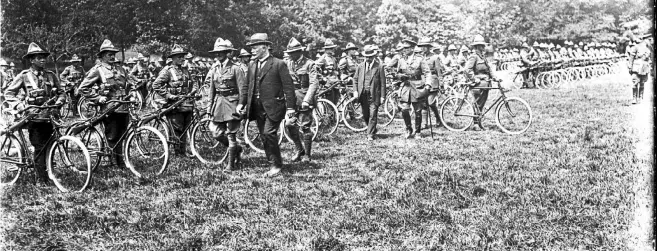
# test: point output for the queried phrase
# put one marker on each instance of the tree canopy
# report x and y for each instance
(65, 27)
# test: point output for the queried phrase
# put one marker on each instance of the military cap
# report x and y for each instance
(244, 53)
(451, 47)
(435, 47)
(350, 46)
(328, 44)
(177, 50)
(142, 57)
(535, 44)
(3, 62)
(189, 55)
(370, 50)
(399, 46)
(258, 38)
(409, 41)
(107, 46)
(75, 58)
(160, 59)
(478, 40)
(293, 45)
(525, 45)
(11, 64)
(222, 45)
(424, 41)
(35, 49)
(464, 49)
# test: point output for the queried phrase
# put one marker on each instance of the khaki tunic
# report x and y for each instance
(416, 68)
(106, 80)
(226, 79)
(173, 80)
(38, 86)
(305, 77)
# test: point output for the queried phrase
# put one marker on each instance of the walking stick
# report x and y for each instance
(429, 119)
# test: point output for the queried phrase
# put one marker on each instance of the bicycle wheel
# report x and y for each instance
(252, 136)
(328, 117)
(146, 152)
(457, 114)
(513, 115)
(517, 82)
(383, 117)
(161, 124)
(353, 117)
(69, 164)
(314, 125)
(207, 149)
(138, 100)
(95, 143)
(86, 108)
(391, 105)
(12, 158)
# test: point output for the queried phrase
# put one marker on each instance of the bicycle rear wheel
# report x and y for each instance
(95, 143)
(146, 152)
(207, 149)
(69, 164)
(457, 114)
(328, 117)
(12, 159)
(513, 115)
(353, 117)
(86, 108)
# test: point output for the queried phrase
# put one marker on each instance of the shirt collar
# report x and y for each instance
(264, 59)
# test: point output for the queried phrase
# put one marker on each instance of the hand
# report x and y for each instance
(240, 109)
(173, 97)
(59, 103)
(209, 109)
(102, 100)
(305, 105)
(354, 94)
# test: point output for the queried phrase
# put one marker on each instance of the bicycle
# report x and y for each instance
(68, 162)
(512, 114)
(145, 149)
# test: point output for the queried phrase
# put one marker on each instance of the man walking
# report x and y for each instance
(370, 88)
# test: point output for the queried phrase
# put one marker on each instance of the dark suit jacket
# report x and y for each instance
(276, 88)
(376, 77)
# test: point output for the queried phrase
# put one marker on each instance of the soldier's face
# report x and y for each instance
(107, 57)
(352, 52)
(408, 51)
(39, 60)
(295, 55)
(221, 56)
(329, 51)
(177, 60)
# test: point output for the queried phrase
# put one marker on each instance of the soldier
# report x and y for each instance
(528, 57)
(172, 83)
(40, 85)
(464, 54)
(304, 75)
(437, 68)
(244, 59)
(639, 66)
(72, 77)
(4, 76)
(143, 74)
(328, 70)
(370, 88)
(226, 80)
(479, 70)
(113, 83)
(349, 62)
(12, 70)
(415, 74)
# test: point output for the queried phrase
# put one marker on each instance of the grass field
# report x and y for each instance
(574, 181)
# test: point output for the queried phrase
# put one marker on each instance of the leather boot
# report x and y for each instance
(418, 125)
(308, 145)
(640, 94)
(294, 135)
(406, 115)
(232, 154)
(635, 95)
(434, 109)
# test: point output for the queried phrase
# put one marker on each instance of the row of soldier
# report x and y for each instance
(260, 87)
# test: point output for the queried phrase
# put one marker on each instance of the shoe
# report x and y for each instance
(274, 171)
(370, 137)
(298, 155)
(409, 135)
(418, 135)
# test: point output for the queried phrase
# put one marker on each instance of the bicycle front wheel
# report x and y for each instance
(146, 152)
(69, 164)
(86, 108)
(207, 149)
(328, 117)
(353, 117)
(95, 143)
(457, 114)
(12, 159)
(513, 115)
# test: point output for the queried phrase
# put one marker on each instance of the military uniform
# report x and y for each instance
(528, 57)
(480, 71)
(348, 63)
(40, 85)
(327, 68)
(105, 81)
(639, 66)
(72, 77)
(306, 82)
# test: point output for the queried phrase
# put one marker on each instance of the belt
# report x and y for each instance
(228, 93)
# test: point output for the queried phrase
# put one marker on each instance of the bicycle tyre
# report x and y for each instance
(516, 110)
(86, 108)
(453, 121)
(74, 177)
(139, 143)
(252, 136)
(12, 158)
(204, 146)
(328, 117)
(353, 117)
(95, 142)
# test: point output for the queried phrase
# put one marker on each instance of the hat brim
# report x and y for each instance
(294, 49)
(258, 42)
(350, 48)
(423, 45)
(107, 50)
(330, 47)
(478, 43)
(175, 54)
(75, 60)
(36, 53)
(370, 54)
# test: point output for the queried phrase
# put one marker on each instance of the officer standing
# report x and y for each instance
(437, 69)
(226, 80)
(348, 64)
(304, 74)
(268, 98)
(328, 70)
(143, 74)
(639, 66)
(72, 77)
(173, 83)
(413, 70)
(479, 70)
(528, 57)
(40, 85)
(113, 84)
(370, 88)
(4, 75)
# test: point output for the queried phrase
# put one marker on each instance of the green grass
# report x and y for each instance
(566, 184)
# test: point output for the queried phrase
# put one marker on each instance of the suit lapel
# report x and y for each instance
(265, 68)
(370, 73)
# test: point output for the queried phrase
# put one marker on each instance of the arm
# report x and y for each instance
(288, 86)
(64, 74)
(92, 77)
(469, 72)
(208, 79)
(160, 83)
(244, 90)
(382, 77)
(240, 79)
(358, 69)
(314, 83)
(438, 66)
(426, 72)
(15, 86)
(60, 92)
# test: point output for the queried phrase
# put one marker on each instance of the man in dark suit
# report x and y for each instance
(268, 98)
(370, 87)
